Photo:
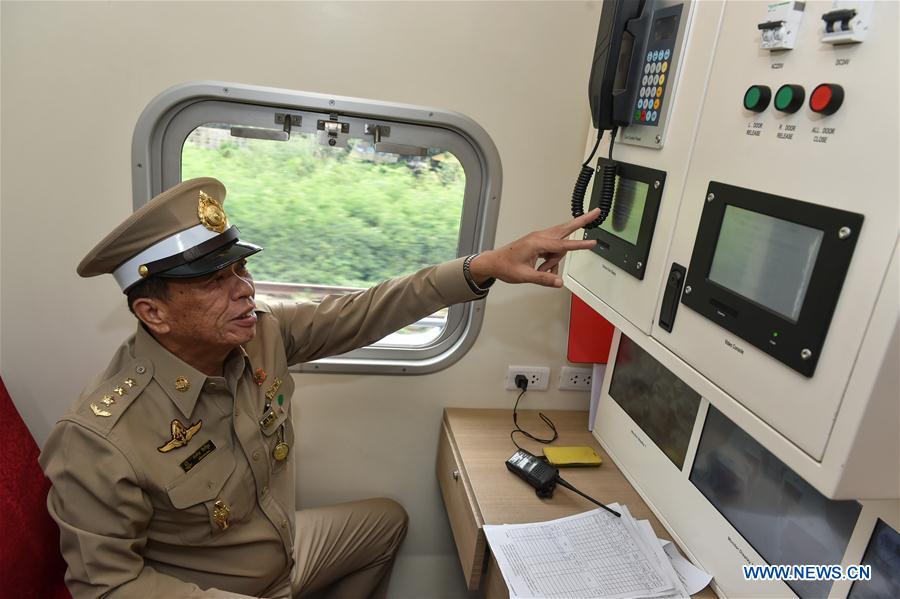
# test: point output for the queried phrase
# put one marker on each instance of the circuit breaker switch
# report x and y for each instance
(826, 98)
(779, 29)
(847, 22)
(789, 98)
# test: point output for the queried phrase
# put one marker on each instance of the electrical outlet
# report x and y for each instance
(575, 379)
(538, 377)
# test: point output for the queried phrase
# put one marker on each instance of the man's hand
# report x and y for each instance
(517, 262)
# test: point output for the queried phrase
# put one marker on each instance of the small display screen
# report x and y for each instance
(658, 401)
(624, 220)
(782, 516)
(766, 260)
(665, 28)
(883, 554)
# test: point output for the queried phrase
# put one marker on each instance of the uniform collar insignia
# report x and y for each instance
(167, 367)
(180, 435)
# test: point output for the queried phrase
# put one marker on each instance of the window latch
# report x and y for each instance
(281, 118)
(379, 131)
(332, 132)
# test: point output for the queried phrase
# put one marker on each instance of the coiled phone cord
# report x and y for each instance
(608, 174)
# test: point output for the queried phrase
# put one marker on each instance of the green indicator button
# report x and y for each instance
(751, 97)
(775, 333)
(757, 98)
(789, 98)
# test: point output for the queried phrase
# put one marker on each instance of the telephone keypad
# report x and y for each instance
(650, 96)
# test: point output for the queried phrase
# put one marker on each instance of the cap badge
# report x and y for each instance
(180, 435)
(182, 384)
(212, 215)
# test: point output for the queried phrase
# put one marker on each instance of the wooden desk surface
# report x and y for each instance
(482, 439)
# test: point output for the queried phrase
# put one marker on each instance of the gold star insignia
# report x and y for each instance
(180, 435)
(130, 383)
(108, 400)
(120, 390)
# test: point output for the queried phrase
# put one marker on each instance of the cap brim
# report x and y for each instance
(212, 262)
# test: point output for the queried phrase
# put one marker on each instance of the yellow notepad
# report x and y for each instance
(580, 455)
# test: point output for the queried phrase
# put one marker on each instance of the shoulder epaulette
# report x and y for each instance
(100, 409)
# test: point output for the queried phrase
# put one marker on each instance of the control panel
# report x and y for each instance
(788, 222)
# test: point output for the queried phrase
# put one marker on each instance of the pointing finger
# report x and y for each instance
(567, 228)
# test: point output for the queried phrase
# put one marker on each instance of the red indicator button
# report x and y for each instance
(826, 98)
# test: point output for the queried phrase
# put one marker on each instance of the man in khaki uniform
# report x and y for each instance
(173, 474)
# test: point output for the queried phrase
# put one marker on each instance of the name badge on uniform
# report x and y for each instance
(194, 459)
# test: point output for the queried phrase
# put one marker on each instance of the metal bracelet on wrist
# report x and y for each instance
(475, 287)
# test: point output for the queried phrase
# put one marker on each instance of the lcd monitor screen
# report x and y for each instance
(782, 516)
(624, 220)
(658, 401)
(766, 260)
(883, 554)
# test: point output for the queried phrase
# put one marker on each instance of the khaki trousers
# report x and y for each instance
(346, 551)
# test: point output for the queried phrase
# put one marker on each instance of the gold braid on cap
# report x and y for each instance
(212, 215)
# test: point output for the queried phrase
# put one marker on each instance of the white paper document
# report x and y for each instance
(693, 578)
(590, 555)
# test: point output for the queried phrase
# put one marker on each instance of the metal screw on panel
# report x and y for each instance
(687, 290)
(710, 197)
(639, 265)
(844, 232)
(658, 139)
(456, 475)
(805, 354)
(656, 184)
(331, 102)
(332, 142)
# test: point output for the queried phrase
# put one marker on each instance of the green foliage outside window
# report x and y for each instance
(332, 216)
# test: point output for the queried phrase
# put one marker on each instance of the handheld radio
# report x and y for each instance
(543, 477)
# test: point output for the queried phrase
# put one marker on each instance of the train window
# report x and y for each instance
(340, 199)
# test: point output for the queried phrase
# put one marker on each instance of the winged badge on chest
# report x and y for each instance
(180, 435)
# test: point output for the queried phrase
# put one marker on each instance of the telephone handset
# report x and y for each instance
(615, 82)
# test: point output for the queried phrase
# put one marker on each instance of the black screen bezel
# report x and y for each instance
(751, 321)
(616, 250)
(881, 527)
(627, 408)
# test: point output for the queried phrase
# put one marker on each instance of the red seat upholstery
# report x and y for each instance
(30, 562)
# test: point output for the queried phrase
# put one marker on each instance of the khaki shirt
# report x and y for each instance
(138, 515)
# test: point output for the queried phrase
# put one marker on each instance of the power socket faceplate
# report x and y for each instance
(576, 379)
(538, 377)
